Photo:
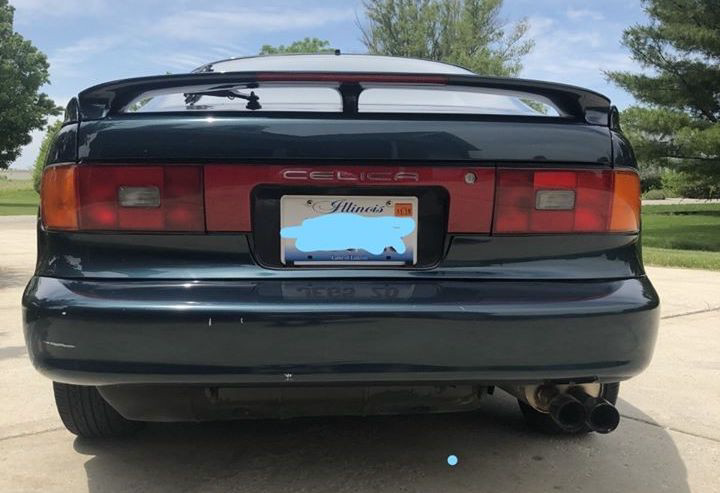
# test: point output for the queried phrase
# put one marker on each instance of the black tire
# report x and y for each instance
(543, 423)
(86, 414)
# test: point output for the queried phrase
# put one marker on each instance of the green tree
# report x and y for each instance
(469, 33)
(307, 45)
(676, 125)
(23, 70)
(50, 134)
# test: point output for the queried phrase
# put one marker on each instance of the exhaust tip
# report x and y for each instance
(568, 413)
(603, 417)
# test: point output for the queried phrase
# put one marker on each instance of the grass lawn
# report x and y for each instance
(686, 235)
(17, 197)
(691, 259)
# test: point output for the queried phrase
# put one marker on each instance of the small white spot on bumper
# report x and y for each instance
(59, 344)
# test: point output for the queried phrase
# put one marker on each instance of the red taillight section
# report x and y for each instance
(229, 187)
(562, 201)
(127, 198)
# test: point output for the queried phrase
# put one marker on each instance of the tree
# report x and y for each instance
(23, 70)
(464, 32)
(676, 126)
(50, 134)
(307, 45)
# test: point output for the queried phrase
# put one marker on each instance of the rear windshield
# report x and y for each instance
(299, 98)
(444, 99)
(375, 98)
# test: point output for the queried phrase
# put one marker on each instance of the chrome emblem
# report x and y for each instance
(337, 175)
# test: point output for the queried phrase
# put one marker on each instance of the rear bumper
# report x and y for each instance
(297, 332)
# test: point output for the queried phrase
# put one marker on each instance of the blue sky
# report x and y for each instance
(92, 41)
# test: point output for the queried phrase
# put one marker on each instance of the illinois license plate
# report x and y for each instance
(348, 230)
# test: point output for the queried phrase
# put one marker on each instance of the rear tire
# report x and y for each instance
(543, 423)
(86, 414)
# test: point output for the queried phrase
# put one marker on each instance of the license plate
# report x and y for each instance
(348, 230)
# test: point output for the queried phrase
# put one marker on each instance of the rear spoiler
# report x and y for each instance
(572, 102)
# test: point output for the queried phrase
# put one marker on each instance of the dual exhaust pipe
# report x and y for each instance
(571, 410)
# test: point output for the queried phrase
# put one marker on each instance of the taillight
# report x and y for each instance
(170, 198)
(126, 198)
(563, 201)
(625, 214)
(59, 201)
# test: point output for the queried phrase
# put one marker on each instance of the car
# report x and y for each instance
(331, 234)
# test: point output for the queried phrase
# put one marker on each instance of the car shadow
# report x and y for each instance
(495, 453)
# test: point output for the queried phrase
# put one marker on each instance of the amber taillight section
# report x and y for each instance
(626, 202)
(228, 189)
(566, 201)
(59, 198)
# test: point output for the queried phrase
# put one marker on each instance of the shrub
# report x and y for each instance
(52, 131)
(693, 186)
(654, 195)
(650, 178)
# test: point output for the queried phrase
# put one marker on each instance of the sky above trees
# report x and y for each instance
(92, 41)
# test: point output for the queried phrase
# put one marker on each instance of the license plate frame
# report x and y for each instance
(295, 210)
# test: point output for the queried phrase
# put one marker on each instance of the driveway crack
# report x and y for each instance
(695, 312)
(31, 433)
(670, 428)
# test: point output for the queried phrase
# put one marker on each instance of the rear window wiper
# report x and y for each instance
(253, 99)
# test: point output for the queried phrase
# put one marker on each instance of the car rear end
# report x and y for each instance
(278, 243)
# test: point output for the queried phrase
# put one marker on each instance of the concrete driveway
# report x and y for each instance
(669, 439)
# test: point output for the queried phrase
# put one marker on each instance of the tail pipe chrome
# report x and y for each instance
(567, 412)
(601, 415)
(570, 407)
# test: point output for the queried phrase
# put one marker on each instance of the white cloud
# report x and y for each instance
(185, 61)
(215, 32)
(584, 14)
(63, 8)
(65, 61)
(539, 26)
(229, 51)
(179, 61)
(201, 25)
(574, 54)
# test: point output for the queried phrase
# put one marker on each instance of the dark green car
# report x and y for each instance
(338, 234)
